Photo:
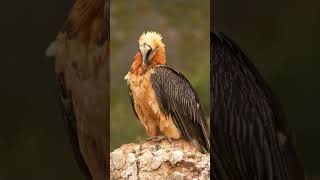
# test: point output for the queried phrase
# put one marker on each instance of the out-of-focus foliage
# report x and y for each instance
(282, 38)
(185, 27)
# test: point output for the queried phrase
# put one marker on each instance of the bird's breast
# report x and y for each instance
(145, 102)
(147, 106)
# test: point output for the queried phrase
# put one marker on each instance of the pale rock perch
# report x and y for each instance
(162, 160)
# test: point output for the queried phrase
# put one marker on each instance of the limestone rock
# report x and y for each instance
(148, 160)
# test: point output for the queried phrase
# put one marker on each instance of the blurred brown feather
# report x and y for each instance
(81, 52)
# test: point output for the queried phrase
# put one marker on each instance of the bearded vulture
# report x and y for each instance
(163, 100)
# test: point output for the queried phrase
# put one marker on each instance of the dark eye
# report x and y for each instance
(149, 51)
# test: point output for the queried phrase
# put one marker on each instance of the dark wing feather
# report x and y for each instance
(250, 135)
(70, 122)
(179, 100)
(132, 101)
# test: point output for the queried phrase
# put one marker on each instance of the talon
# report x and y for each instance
(157, 138)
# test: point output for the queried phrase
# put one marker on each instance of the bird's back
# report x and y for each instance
(179, 100)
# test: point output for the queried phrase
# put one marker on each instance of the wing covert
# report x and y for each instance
(178, 99)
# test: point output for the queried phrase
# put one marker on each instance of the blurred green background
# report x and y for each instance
(184, 25)
(282, 39)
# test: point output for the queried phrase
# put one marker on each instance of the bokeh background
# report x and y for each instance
(185, 27)
(282, 39)
(33, 139)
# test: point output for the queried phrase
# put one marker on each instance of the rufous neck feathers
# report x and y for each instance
(154, 40)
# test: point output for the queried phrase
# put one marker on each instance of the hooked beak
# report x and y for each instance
(145, 51)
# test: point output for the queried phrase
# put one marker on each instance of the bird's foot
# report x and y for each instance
(157, 138)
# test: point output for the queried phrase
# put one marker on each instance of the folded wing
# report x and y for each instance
(250, 135)
(177, 98)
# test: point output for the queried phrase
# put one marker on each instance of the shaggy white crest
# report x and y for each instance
(151, 38)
